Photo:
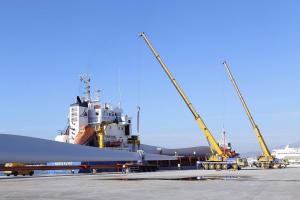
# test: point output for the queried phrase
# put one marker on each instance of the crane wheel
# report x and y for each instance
(265, 165)
(276, 166)
(224, 166)
(259, 165)
(268, 166)
(205, 166)
(235, 166)
(218, 166)
(211, 166)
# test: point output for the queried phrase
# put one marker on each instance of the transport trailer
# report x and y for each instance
(19, 169)
(29, 169)
(133, 167)
(122, 167)
(17, 172)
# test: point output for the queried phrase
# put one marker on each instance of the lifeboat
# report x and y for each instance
(84, 135)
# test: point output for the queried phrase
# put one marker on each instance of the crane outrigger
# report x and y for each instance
(266, 160)
(219, 159)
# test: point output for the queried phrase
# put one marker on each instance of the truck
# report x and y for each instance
(23, 172)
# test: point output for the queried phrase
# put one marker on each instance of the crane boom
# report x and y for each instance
(199, 120)
(263, 146)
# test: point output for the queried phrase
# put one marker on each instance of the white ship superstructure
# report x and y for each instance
(87, 114)
(292, 155)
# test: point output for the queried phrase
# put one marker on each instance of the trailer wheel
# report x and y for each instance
(15, 173)
(31, 173)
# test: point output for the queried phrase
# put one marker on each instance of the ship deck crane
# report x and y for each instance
(266, 160)
(218, 159)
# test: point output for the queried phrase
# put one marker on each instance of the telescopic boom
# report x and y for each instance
(263, 146)
(199, 120)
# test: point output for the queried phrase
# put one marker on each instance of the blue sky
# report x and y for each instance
(46, 45)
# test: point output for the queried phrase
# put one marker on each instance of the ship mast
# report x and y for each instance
(85, 78)
(138, 120)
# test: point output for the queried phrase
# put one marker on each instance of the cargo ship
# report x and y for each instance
(87, 116)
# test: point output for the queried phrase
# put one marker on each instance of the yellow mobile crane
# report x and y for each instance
(219, 159)
(266, 160)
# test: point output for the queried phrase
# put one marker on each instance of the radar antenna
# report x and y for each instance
(85, 78)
